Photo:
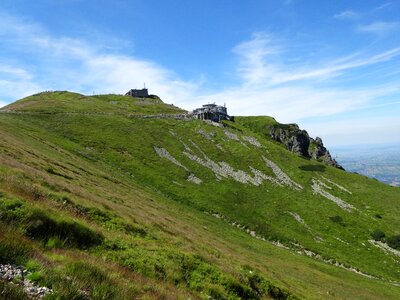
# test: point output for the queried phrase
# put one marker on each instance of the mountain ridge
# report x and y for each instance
(252, 203)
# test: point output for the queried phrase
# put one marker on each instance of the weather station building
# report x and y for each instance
(142, 93)
(212, 112)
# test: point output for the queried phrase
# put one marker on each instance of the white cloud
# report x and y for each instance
(259, 63)
(347, 14)
(380, 27)
(16, 82)
(293, 93)
(11, 71)
(294, 103)
(76, 64)
(254, 56)
(118, 73)
(16, 89)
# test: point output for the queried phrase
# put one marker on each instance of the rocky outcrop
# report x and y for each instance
(317, 151)
(299, 142)
(292, 138)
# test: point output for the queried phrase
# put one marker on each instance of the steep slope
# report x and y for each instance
(291, 137)
(184, 207)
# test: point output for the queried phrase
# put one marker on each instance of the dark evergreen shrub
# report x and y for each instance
(378, 235)
(394, 241)
(337, 219)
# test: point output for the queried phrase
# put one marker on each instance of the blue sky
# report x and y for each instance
(333, 67)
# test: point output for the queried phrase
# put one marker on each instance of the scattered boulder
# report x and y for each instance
(17, 275)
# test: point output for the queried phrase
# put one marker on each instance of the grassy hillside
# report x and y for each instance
(154, 205)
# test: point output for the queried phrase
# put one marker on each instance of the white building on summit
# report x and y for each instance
(212, 112)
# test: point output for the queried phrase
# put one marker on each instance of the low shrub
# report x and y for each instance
(36, 277)
(11, 292)
(215, 292)
(39, 225)
(257, 284)
(87, 281)
(13, 248)
(394, 241)
(111, 221)
(55, 242)
(337, 219)
(12, 210)
(378, 235)
(135, 230)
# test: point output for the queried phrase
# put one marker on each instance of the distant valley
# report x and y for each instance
(381, 162)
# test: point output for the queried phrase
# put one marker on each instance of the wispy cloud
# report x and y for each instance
(347, 14)
(76, 64)
(384, 5)
(15, 73)
(380, 27)
(16, 82)
(309, 90)
(253, 58)
(260, 63)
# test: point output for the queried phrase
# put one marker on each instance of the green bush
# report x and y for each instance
(378, 235)
(39, 225)
(394, 241)
(238, 289)
(216, 292)
(257, 284)
(12, 210)
(337, 219)
(13, 249)
(36, 277)
(111, 221)
(55, 242)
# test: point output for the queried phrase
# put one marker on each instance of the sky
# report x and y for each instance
(333, 67)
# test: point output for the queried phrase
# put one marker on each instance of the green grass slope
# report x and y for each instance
(154, 205)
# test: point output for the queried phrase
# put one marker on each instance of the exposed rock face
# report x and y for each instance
(292, 137)
(298, 141)
(317, 150)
